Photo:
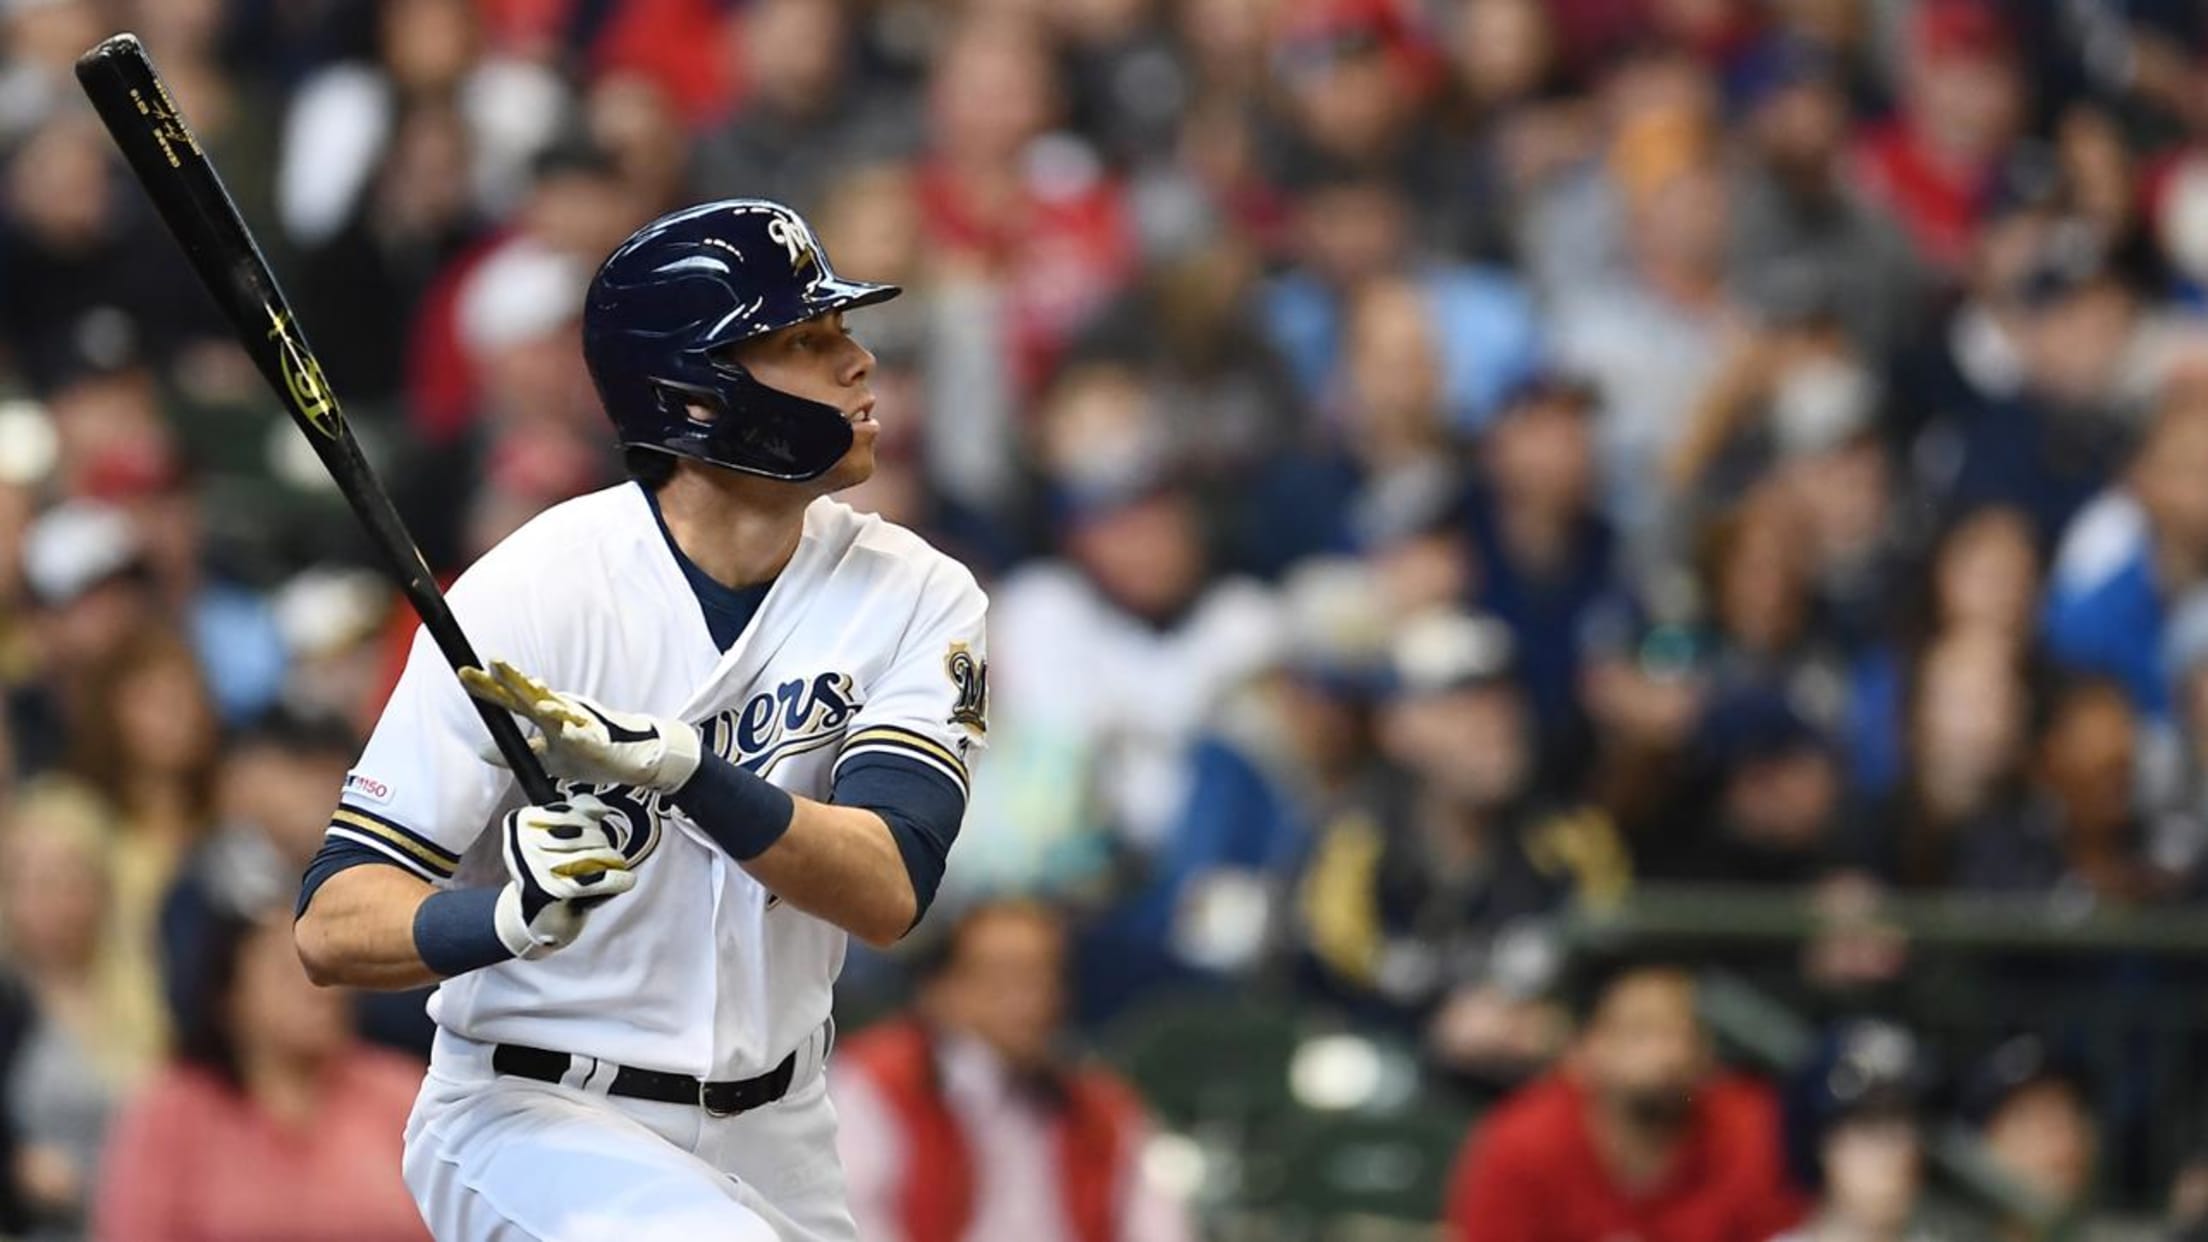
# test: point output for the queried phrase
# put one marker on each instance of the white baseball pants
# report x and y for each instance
(495, 1158)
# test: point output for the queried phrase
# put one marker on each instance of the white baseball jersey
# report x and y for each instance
(869, 641)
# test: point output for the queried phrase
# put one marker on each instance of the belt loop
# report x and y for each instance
(600, 1078)
(579, 1071)
(812, 1055)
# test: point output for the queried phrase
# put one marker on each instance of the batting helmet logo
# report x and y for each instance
(798, 241)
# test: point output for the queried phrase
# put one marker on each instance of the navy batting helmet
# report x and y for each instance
(663, 310)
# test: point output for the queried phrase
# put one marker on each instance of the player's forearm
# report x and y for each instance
(359, 930)
(840, 863)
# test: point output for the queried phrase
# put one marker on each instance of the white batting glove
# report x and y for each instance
(561, 860)
(586, 742)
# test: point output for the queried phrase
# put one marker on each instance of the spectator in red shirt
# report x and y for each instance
(1636, 1138)
(1008, 197)
(272, 1123)
(1962, 103)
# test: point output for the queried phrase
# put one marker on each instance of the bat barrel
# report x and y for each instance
(135, 106)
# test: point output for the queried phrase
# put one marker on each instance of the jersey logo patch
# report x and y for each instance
(367, 788)
(969, 676)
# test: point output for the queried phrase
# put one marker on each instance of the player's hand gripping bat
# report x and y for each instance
(135, 106)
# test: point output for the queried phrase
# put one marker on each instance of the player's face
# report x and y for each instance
(821, 361)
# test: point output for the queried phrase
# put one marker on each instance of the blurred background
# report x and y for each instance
(1598, 620)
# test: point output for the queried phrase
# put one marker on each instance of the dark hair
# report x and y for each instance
(650, 467)
(573, 155)
(1919, 621)
(2062, 692)
(2017, 1063)
(1590, 979)
(934, 956)
(300, 734)
(208, 970)
(96, 744)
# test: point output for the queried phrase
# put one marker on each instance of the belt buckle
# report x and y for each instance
(705, 1101)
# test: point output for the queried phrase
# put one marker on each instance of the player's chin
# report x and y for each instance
(856, 466)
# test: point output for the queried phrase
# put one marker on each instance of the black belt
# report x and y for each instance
(721, 1099)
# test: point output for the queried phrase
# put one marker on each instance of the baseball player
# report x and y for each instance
(759, 706)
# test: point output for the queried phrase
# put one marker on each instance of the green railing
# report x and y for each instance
(1222, 1069)
(1741, 915)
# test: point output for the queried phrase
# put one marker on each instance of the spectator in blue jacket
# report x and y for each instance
(2131, 552)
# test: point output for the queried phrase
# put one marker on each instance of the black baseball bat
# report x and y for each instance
(135, 106)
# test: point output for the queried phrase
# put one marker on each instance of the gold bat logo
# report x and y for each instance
(167, 124)
(310, 393)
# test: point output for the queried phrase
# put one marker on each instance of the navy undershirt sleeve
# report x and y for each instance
(336, 854)
(922, 807)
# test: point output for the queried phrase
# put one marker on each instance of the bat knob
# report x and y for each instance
(112, 48)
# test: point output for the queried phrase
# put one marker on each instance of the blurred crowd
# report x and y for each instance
(1437, 464)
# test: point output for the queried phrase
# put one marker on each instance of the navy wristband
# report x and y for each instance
(743, 813)
(456, 931)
